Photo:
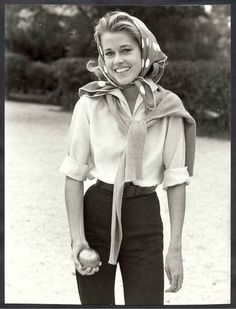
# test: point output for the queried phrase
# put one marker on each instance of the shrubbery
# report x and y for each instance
(58, 80)
(41, 77)
(71, 74)
(16, 79)
(25, 76)
(202, 85)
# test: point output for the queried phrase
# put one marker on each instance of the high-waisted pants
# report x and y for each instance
(140, 257)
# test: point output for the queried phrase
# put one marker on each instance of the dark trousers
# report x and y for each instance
(140, 257)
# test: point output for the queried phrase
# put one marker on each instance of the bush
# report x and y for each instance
(41, 77)
(25, 76)
(15, 73)
(204, 87)
(71, 74)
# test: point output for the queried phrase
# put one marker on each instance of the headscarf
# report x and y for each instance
(150, 52)
(160, 104)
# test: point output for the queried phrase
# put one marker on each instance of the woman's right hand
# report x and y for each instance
(77, 247)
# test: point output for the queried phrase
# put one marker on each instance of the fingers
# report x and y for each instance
(176, 281)
(168, 274)
(173, 283)
(85, 271)
(78, 265)
(88, 271)
(180, 282)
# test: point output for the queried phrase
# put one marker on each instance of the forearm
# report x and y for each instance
(74, 192)
(176, 203)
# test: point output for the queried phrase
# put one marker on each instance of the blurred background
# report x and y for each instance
(46, 50)
(48, 46)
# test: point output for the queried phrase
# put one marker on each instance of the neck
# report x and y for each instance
(130, 94)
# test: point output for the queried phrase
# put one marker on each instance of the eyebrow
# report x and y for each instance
(122, 46)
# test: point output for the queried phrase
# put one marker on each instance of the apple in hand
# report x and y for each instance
(89, 258)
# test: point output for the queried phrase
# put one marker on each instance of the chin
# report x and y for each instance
(125, 82)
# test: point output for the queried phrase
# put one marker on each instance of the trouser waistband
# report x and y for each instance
(130, 189)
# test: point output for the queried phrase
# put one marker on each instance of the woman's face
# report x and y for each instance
(122, 56)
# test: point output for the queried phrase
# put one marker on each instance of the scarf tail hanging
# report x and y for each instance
(116, 226)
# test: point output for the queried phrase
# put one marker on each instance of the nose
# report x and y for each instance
(118, 59)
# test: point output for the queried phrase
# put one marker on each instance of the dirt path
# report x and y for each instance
(38, 267)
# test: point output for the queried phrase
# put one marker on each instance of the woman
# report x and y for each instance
(131, 135)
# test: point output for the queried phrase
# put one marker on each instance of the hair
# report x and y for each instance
(156, 70)
(117, 21)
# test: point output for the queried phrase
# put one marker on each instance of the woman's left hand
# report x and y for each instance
(174, 269)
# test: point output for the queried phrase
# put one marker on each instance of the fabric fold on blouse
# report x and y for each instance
(74, 169)
(175, 176)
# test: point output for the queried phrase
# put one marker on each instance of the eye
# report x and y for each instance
(109, 53)
(126, 50)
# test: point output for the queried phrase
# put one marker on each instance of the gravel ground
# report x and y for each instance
(38, 266)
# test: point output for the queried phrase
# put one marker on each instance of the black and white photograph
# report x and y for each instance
(117, 154)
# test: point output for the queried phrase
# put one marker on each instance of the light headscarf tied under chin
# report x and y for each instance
(161, 105)
(151, 53)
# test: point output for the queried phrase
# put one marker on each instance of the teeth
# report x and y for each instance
(121, 70)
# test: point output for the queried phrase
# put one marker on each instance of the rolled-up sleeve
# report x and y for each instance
(175, 171)
(76, 163)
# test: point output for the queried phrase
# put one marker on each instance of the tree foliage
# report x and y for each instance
(33, 31)
(47, 33)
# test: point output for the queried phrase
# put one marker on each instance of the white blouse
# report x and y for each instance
(96, 144)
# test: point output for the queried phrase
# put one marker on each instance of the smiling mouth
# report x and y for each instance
(122, 70)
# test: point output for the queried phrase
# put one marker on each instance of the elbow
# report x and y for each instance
(177, 187)
(71, 183)
(177, 193)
